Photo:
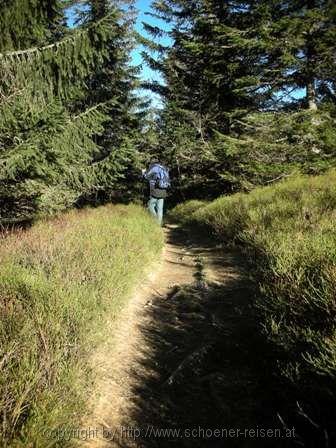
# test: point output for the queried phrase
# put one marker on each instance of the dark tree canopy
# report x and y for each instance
(67, 107)
(249, 90)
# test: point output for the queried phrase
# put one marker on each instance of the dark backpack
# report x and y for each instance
(162, 180)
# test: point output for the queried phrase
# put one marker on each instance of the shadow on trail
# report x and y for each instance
(203, 369)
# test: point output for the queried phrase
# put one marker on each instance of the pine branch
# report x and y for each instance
(56, 44)
(37, 49)
(87, 111)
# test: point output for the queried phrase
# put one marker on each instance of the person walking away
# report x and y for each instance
(157, 176)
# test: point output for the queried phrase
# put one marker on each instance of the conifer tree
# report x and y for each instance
(114, 82)
(232, 77)
(48, 129)
(29, 23)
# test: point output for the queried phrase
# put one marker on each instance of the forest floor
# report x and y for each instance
(185, 365)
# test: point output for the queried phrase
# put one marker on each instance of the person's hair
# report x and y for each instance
(154, 160)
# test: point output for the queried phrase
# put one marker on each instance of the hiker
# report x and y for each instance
(158, 179)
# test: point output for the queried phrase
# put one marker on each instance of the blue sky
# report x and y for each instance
(146, 73)
(143, 6)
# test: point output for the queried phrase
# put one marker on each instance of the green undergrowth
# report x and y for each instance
(183, 212)
(288, 234)
(61, 282)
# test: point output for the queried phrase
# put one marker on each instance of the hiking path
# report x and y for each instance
(183, 358)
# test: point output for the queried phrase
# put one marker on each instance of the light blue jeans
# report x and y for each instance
(155, 206)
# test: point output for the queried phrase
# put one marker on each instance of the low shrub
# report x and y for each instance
(288, 233)
(60, 281)
(183, 212)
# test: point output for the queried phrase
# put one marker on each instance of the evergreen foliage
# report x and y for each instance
(234, 115)
(53, 145)
(114, 82)
(29, 23)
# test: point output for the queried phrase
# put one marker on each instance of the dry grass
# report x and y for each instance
(288, 234)
(60, 281)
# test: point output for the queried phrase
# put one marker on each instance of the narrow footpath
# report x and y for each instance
(184, 365)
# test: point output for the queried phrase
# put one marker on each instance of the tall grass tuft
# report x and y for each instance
(288, 232)
(61, 281)
(183, 212)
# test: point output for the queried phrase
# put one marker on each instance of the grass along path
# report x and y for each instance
(61, 282)
(122, 355)
(185, 356)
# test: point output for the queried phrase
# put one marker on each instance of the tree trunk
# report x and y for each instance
(310, 95)
(310, 85)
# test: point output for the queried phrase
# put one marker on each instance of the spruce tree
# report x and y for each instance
(114, 82)
(49, 131)
(30, 23)
(232, 79)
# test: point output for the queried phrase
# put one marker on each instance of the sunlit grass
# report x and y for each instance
(288, 233)
(61, 281)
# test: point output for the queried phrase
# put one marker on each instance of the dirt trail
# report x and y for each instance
(115, 363)
(162, 367)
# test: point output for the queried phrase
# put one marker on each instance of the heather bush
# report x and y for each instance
(61, 281)
(288, 233)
